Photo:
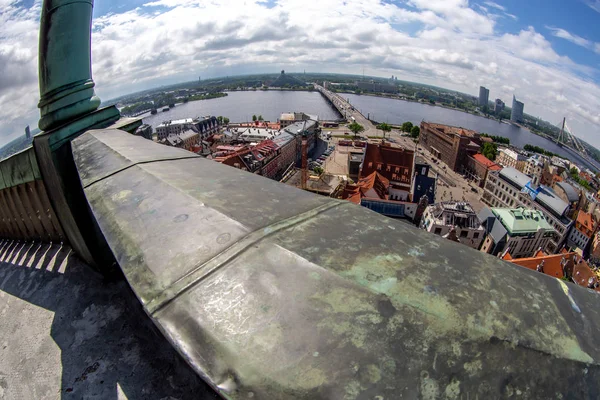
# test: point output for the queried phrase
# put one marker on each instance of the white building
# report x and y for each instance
(510, 158)
(205, 126)
(287, 119)
(441, 217)
(257, 135)
(534, 168)
(519, 231)
(173, 127)
(511, 189)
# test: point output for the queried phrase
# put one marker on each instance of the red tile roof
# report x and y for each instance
(552, 265)
(384, 155)
(585, 219)
(489, 164)
(375, 181)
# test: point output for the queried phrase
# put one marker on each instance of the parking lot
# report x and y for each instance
(326, 157)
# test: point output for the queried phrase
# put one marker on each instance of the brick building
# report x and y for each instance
(449, 144)
(374, 192)
(394, 163)
(477, 167)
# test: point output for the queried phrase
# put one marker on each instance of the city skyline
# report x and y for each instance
(528, 50)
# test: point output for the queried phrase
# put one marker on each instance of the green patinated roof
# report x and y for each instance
(520, 220)
(270, 292)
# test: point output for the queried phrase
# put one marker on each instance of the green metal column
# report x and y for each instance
(65, 70)
(68, 108)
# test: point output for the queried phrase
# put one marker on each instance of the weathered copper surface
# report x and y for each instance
(270, 292)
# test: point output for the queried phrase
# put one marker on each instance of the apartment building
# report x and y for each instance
(519, 231)
(510, 188)
(440, 218)
(449, 144)
(510, 158)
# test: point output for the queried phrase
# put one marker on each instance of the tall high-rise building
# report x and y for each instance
(27, 132)
(484, 96)
(498, 106)
(516, 114)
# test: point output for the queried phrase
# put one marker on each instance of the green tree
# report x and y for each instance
(415, 132)
(384, 127)
(225, 120)
(260, 118)
(356, 128)
(573, 172)
(254, 118)
(318, 170)
(220, 119)
(489, 150)
(407, 126)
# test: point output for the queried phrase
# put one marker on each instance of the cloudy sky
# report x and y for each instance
(546, 52)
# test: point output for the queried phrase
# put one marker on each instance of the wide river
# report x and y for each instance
(240, 106)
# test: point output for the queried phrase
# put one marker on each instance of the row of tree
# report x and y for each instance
(497, 139)
(490, 150)
(414, 130)
(205, 96)
(223, 120)
(575, 176)
(259, 118)
(539, 150)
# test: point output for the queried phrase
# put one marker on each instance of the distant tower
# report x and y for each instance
(282, 72)
(516, 114)
(484, 96)
(27, 132)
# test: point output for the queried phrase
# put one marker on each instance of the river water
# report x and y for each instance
(399, 111)
(240, 106)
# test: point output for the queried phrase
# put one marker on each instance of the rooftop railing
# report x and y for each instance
(271, 292)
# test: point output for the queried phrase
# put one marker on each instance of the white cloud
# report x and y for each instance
(167, 41)
(578, 40)
(18, 65)
(495, 5)
(593, 4)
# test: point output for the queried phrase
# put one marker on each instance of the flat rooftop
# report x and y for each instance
(453, 130)
(177, 122)
(520, 220)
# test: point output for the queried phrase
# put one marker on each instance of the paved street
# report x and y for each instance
(450, 185)
(348, 111)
